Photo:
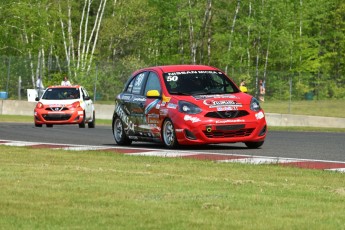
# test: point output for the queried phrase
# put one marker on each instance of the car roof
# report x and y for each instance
(64, 87)
(173, 68)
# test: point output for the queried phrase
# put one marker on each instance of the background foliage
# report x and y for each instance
(297, 47)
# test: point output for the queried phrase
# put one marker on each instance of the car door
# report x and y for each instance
(151, 113)
(132, 103)
(88, 104)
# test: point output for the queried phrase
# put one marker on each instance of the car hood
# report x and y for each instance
(58, 102)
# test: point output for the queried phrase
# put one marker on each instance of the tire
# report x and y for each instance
(49, 125)
(93, 122)
(82, 123)
(120, 136)
(254, 145)
(38, 125)
(169, 135)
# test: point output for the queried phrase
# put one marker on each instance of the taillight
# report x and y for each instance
(39, 105)
(76, 104)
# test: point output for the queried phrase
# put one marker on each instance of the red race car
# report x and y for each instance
(186, 105)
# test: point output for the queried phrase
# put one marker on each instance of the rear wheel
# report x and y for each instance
(38, 125)
(119, 133)
(93, 122)
(254, 145)
(168, 133)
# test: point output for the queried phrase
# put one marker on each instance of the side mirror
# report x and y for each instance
(86, 98)
(37, 99)
(153, 94)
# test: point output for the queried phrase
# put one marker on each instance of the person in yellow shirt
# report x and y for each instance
(243, 86)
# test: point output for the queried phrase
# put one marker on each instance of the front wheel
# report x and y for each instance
(254, 145)
(168, 133)
(119, 133)
(82, 123)
(93, 122)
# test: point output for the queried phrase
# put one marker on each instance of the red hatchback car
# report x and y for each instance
(60, 105)
(186, 105)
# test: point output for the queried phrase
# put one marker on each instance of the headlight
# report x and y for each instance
(187, 107)
(254, 104)
(39, 105)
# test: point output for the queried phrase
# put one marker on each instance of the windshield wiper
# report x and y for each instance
(180, 93)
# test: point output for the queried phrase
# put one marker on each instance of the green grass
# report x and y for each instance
(58, 189)
(324, 108)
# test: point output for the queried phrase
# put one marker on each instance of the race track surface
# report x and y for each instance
(305, 146)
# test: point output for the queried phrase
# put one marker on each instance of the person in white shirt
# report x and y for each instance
(39, 86)
(65, 82)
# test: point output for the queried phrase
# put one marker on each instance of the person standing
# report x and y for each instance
(39, 87)
(243, 86)
(65, 82)
(262, 90)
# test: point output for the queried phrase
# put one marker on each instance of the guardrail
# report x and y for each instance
(16, 107)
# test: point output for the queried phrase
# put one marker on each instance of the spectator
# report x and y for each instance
(65, 82)
(243, 86)
(262, 90)
(39, 87)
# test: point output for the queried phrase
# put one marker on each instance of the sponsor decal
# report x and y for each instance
(194, 72)
(140, 99)
(229, 121)
(214, 103)
(139, 80)
(125, 97)
(227, 108)
(123, 116)
(151, 106)
(171, 106)
(230, 96)
(163, 111)
(152, 115)
(259, 115)
(190, 118)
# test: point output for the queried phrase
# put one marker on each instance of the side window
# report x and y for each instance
(153, 83)
(137, 83)
(85, 93)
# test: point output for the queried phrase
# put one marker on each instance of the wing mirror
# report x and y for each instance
(153, 94)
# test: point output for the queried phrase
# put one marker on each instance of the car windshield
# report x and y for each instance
(61, 93)
(198, 82)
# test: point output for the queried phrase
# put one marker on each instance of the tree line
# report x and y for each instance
(296, 47)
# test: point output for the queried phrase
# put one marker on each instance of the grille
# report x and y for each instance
(227, 114)
(228, 133)
(57, 117)
(56, 109)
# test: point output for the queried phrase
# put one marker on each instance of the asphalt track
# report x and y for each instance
(302, 145)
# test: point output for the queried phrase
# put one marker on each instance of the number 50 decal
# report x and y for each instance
(172, 78)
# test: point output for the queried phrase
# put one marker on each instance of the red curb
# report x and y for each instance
(124, 151)
(314, 165)
(47, 146)
(213, 157)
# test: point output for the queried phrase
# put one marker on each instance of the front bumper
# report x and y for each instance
(216, 131)
(42, 116)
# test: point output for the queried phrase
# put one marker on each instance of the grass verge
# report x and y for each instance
(323, 108)
(57, 189)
